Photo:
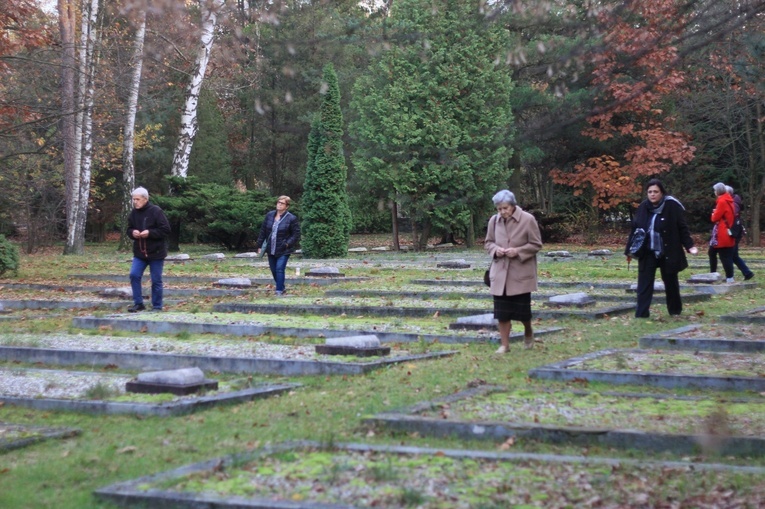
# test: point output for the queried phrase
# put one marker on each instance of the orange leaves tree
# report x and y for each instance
(635, 73)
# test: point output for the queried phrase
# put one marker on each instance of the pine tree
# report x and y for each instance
(326, 221)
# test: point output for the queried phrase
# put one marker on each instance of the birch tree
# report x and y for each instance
(128, 158)
(189, 123)
(66, 22)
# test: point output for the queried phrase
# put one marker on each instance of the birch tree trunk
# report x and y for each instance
(88, 60)
(66, 22)
(128, 159)
(189, 123)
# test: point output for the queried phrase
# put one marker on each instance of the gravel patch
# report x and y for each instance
(53, 384)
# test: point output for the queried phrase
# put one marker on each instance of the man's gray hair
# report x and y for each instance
(140, 191)
(719, 188)
(729, 189)
(504, 196)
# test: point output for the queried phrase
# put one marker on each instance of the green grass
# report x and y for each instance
(63, 473)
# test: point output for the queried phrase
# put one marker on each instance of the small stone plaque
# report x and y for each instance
(357, 250)
(475, 322)
(366, 341)
(237, 282)
(213, 256)
(324, 272)
(176, 381)
(381, 248)
(600, 252)
(453, 264)
(559, 254)
(177, 258)
(247, 255)
(123, 292)
(579, 299)
(707, 278)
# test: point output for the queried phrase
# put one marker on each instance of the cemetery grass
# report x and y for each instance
(63, 473)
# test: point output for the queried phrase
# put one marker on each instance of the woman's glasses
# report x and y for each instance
(282, 202)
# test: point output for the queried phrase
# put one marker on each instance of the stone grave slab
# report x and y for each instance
(251, 254)
(357, 250)
(337, 310)
(16, 436)
(410, 469)
(693, 337)
(577, 300)
(234, 282)
(178, 258)
(213, 256)
(600, 252)
(59, 395)
(360, 346)
(498, 414)
(754, 315)
(180, 382)
(460, 263)
(574, 368)
(558, 254)
(324, 272)
(213, 324)
(705, 278)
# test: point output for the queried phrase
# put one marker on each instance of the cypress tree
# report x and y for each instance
(326, 221)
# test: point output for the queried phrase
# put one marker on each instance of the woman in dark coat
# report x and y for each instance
(281, 231)
(667, 238)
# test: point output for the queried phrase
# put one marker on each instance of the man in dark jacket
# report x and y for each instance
(148, 226)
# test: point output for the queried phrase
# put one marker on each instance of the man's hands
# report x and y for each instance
(141, 235)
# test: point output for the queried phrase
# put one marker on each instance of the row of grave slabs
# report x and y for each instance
(615, 438)
(492, 413)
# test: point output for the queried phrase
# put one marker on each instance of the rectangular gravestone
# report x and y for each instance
(180, 382)
(475, 322)
(360, 346)
(578, 300)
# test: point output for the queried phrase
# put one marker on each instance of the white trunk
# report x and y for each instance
(189, 122)
(88, 63)
(128, 160)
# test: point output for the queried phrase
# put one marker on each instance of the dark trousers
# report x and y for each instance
(727, 257)
(647, 266)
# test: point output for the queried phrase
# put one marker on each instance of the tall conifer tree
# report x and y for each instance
(326, 216)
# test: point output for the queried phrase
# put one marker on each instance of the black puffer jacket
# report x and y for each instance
(149, 217)
(287, 236)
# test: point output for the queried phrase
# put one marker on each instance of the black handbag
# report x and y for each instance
(486, 279)
(637, 243)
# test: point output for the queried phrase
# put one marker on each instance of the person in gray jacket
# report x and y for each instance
(513, 241)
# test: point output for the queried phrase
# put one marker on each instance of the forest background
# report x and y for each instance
(404, 114)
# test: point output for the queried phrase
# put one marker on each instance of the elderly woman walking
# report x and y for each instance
(512, 241)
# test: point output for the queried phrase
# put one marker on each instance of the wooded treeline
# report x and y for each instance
(573, 105)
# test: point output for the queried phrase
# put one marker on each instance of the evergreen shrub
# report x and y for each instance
(9, 256)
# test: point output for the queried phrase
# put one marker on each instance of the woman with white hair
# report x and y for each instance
(723, 217)
(148, 226)
(512, 240)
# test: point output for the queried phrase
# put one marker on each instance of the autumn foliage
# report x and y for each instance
(635, 73)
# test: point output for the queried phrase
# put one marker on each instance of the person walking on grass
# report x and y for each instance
(667, 238)
(281, 233)
(513, 241)
(149, 228)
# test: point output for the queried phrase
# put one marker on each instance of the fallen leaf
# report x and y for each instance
(128, 449)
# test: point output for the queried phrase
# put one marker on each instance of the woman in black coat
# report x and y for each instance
(667, 238)
(281, 232)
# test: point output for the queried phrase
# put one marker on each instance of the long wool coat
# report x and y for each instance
(513, 275)
(674, 231)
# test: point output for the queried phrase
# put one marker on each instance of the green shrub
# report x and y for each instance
(9, 256)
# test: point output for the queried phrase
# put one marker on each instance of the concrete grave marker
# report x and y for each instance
(357, 250)
(706, 278)
(579, 299)
(475, 322)
(559, 254)
(454, 264)
(177, 258)
(324, 272)
(251, 254)
(361, 346)
(600, 252)
(176, 381)
(213, 256)
(123, 292)
(237, 282)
